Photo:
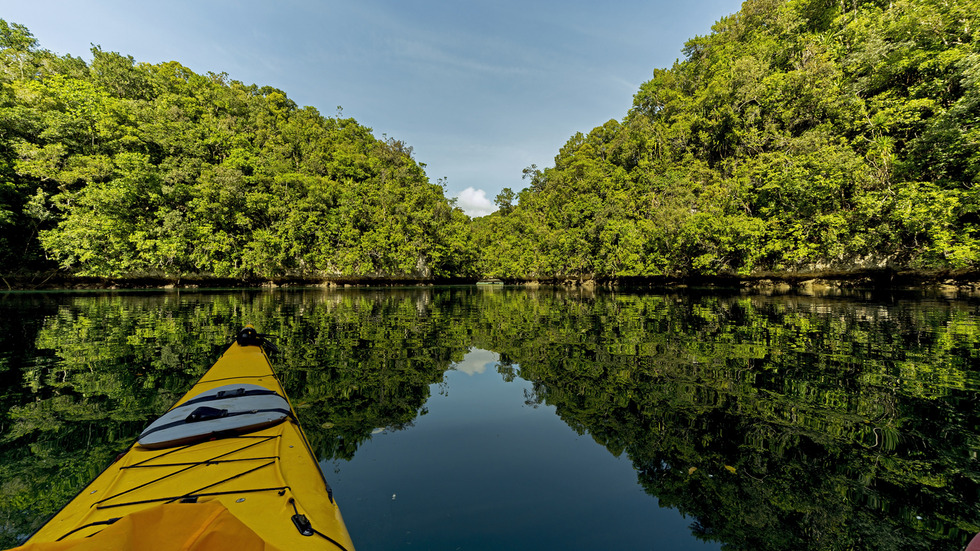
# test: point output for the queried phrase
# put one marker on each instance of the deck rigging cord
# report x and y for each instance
(190, 465)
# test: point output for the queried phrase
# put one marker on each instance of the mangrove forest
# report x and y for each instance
(798, 135)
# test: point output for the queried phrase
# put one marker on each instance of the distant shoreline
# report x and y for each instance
(949, 280)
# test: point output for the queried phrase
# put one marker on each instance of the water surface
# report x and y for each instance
(461, 418)
(484, 469)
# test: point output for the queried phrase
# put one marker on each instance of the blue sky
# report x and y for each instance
(479, 89)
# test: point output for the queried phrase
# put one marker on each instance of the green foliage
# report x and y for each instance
(120, 168)
(797, 135)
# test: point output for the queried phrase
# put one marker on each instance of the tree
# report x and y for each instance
(505, 200)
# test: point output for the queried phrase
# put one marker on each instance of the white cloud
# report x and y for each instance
(476, 361)
(474, 202)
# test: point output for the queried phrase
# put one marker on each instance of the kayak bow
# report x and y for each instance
(227, 467)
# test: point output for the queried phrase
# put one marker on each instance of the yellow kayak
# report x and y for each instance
(227, 467)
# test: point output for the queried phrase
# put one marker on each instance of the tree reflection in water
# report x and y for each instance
(775, 422)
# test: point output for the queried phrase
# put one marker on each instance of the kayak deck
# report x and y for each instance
(268, 478)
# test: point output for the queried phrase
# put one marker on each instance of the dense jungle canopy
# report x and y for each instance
(119, 168)
(797, 135)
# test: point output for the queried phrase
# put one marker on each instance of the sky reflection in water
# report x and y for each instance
(484, 469)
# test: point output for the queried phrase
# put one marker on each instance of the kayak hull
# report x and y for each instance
(267, 478)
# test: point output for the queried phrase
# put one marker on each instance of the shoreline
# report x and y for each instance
(944, 280)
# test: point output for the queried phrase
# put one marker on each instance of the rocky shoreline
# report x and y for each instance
(946, 281)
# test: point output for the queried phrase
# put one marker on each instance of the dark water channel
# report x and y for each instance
(497, 418)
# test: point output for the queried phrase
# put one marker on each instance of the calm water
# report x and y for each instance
(472, 418)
